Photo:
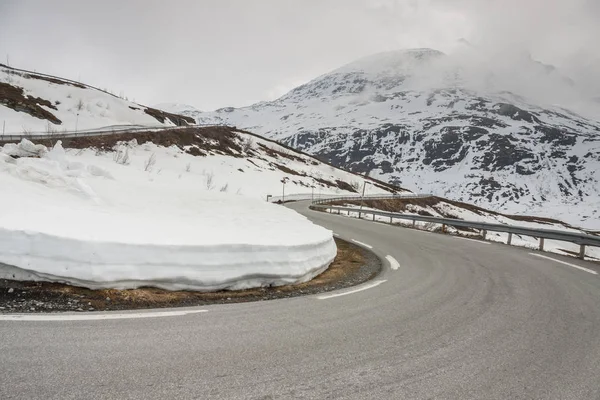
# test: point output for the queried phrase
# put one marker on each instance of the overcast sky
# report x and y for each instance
(216, 53)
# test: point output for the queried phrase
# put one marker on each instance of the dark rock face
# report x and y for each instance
(495, 153)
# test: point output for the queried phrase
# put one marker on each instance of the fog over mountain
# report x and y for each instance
(461, 127)
(219, 53)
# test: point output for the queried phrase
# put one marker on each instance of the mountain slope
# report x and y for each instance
(32, 102)
(421, 120)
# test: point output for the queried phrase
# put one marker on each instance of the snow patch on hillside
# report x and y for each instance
(78, 107)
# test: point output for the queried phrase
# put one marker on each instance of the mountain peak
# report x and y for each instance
(392, 62)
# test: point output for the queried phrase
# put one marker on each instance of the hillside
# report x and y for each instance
(37, 103)
(180, 209)
(418, 119)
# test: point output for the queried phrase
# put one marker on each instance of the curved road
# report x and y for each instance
(456, 319)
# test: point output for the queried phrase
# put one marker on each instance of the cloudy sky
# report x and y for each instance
(215, 53)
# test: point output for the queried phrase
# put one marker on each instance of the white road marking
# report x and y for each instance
(362, 244)
(394, 265)
(359, 289)
(566, 263)
(94, 316)
(472, 240)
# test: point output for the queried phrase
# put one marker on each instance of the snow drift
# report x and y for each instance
(101, 226)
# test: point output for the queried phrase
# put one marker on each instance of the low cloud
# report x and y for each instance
(218, 53)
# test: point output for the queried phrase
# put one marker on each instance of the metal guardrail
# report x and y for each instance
(581, 239)
(326, 198)
(96, 132)
(372, 197)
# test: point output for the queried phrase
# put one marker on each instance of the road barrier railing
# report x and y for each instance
(582, 239)
(318, 198)
(371, 197)
(94, 132)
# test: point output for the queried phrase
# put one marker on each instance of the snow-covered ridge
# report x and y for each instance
(31, 102)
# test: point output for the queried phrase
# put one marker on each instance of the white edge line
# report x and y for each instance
(359, 289)
(591, 271)
(362, 244)
(394, 264)
(95, 316)
(472, 240)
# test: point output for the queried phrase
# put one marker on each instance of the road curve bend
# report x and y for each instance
(447, 319)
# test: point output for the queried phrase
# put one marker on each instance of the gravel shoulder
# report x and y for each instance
(352, 266)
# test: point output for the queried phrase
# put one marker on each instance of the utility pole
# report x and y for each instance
(283, 181)
(362, 197)
(76, 122)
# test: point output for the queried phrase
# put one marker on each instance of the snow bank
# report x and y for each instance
(108, 225)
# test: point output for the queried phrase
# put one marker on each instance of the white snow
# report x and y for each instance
(78, 108)
(78, 216)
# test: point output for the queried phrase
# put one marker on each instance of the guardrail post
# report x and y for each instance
(414, 222)
(373, 216)
(582, 251)
(391, 220)
(443, 228)
(541, 244)
(483, 234)
(509, 241)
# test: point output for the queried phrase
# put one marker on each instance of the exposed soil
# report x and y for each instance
(198, 141)
(161, 116)
(352, 266)
(14, 98)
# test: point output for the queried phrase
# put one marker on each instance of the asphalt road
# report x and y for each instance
(456, 319)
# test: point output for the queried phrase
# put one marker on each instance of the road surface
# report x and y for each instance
(447, 319)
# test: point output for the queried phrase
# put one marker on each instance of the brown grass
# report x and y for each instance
(350, 259)
(215, 139)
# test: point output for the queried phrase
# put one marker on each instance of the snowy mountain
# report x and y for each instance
(37, 103)
(437, 124)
